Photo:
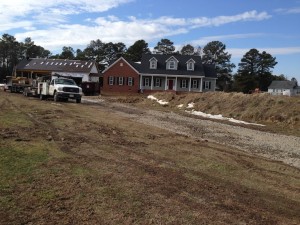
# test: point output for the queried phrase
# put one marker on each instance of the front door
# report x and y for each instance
(170, 84)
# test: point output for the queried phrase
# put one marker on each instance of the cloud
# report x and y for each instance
(295, 10)
(221, 20)
(50, 11)
(204, 40)
(240, 52)
(57, 31)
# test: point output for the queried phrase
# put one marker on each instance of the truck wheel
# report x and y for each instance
(55, 97)
(78, 100)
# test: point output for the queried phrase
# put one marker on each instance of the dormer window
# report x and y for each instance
(153, 63)
(172, 63)
(190, 65)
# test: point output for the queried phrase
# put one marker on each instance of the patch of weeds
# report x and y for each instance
(46, 195)
(17, 164)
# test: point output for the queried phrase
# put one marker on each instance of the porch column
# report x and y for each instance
(201, 84)
(176, 84)
(141, 82)
(152, 83)
(190, 84)
(166, 83)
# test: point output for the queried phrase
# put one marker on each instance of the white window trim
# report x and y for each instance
(169, 65)
(147, 82)
(195, 84)
(184, 83)
(207, 85)
(121, 81)
(190, 66)
(111, 80)
(153, 64)
(130, 81)
(157, 82)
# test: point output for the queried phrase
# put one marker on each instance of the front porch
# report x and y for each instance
(150, 83)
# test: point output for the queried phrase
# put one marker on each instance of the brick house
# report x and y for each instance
(157, 72)
(121, 76)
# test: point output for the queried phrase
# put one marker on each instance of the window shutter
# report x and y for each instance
(203, 85)
(209, 84)
(132, 81)
(108, 80)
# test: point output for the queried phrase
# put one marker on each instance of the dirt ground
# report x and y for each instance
(110, 163)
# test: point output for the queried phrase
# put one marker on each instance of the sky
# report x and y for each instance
(267, 25)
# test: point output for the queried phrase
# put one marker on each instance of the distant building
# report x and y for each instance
(79, 70)
(288, 88)
(158, 72)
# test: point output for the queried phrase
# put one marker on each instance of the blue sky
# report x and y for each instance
(267, 25)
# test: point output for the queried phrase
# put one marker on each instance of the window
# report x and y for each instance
(183, 83)
(207, 85)
(130, 81)
(147, 82)
(190, 66)
(172, 65)
(157, 82)
(111, 80)
(195, 84)
(152, 64)
(121, 79)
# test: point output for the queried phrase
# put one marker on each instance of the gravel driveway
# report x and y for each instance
(272, 146)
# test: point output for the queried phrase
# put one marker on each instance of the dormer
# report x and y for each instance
(190, 65)
(171, 63)
(153, 63)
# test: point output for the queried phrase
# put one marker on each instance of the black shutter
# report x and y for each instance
(132, 81)
(209, 84)
(203, 85)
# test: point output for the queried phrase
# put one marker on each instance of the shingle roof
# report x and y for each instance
(282, 84)
(57, 65)
(199, 68)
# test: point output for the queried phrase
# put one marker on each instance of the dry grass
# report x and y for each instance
(280, 113)
(101, 168)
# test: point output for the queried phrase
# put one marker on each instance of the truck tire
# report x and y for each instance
(55, 97)
(78, 100)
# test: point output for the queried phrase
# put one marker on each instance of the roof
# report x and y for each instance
(63, 65)
(199, 68)
(282, 84)
(133, 65)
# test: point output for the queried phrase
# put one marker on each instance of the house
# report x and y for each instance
(157, 72)
(285, 87)
(121, 76)
(79, 70)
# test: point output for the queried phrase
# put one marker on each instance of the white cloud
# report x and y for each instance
(240, 52)
(204, 40)
(50, 11)
(220, 20)
(295, 10)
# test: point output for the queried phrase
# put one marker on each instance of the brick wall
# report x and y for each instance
(118, 78)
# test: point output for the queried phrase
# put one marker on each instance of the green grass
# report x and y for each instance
(17, 165)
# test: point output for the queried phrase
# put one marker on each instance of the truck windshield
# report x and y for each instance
(65, 81)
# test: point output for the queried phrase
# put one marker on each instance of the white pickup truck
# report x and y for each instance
(60, 89)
